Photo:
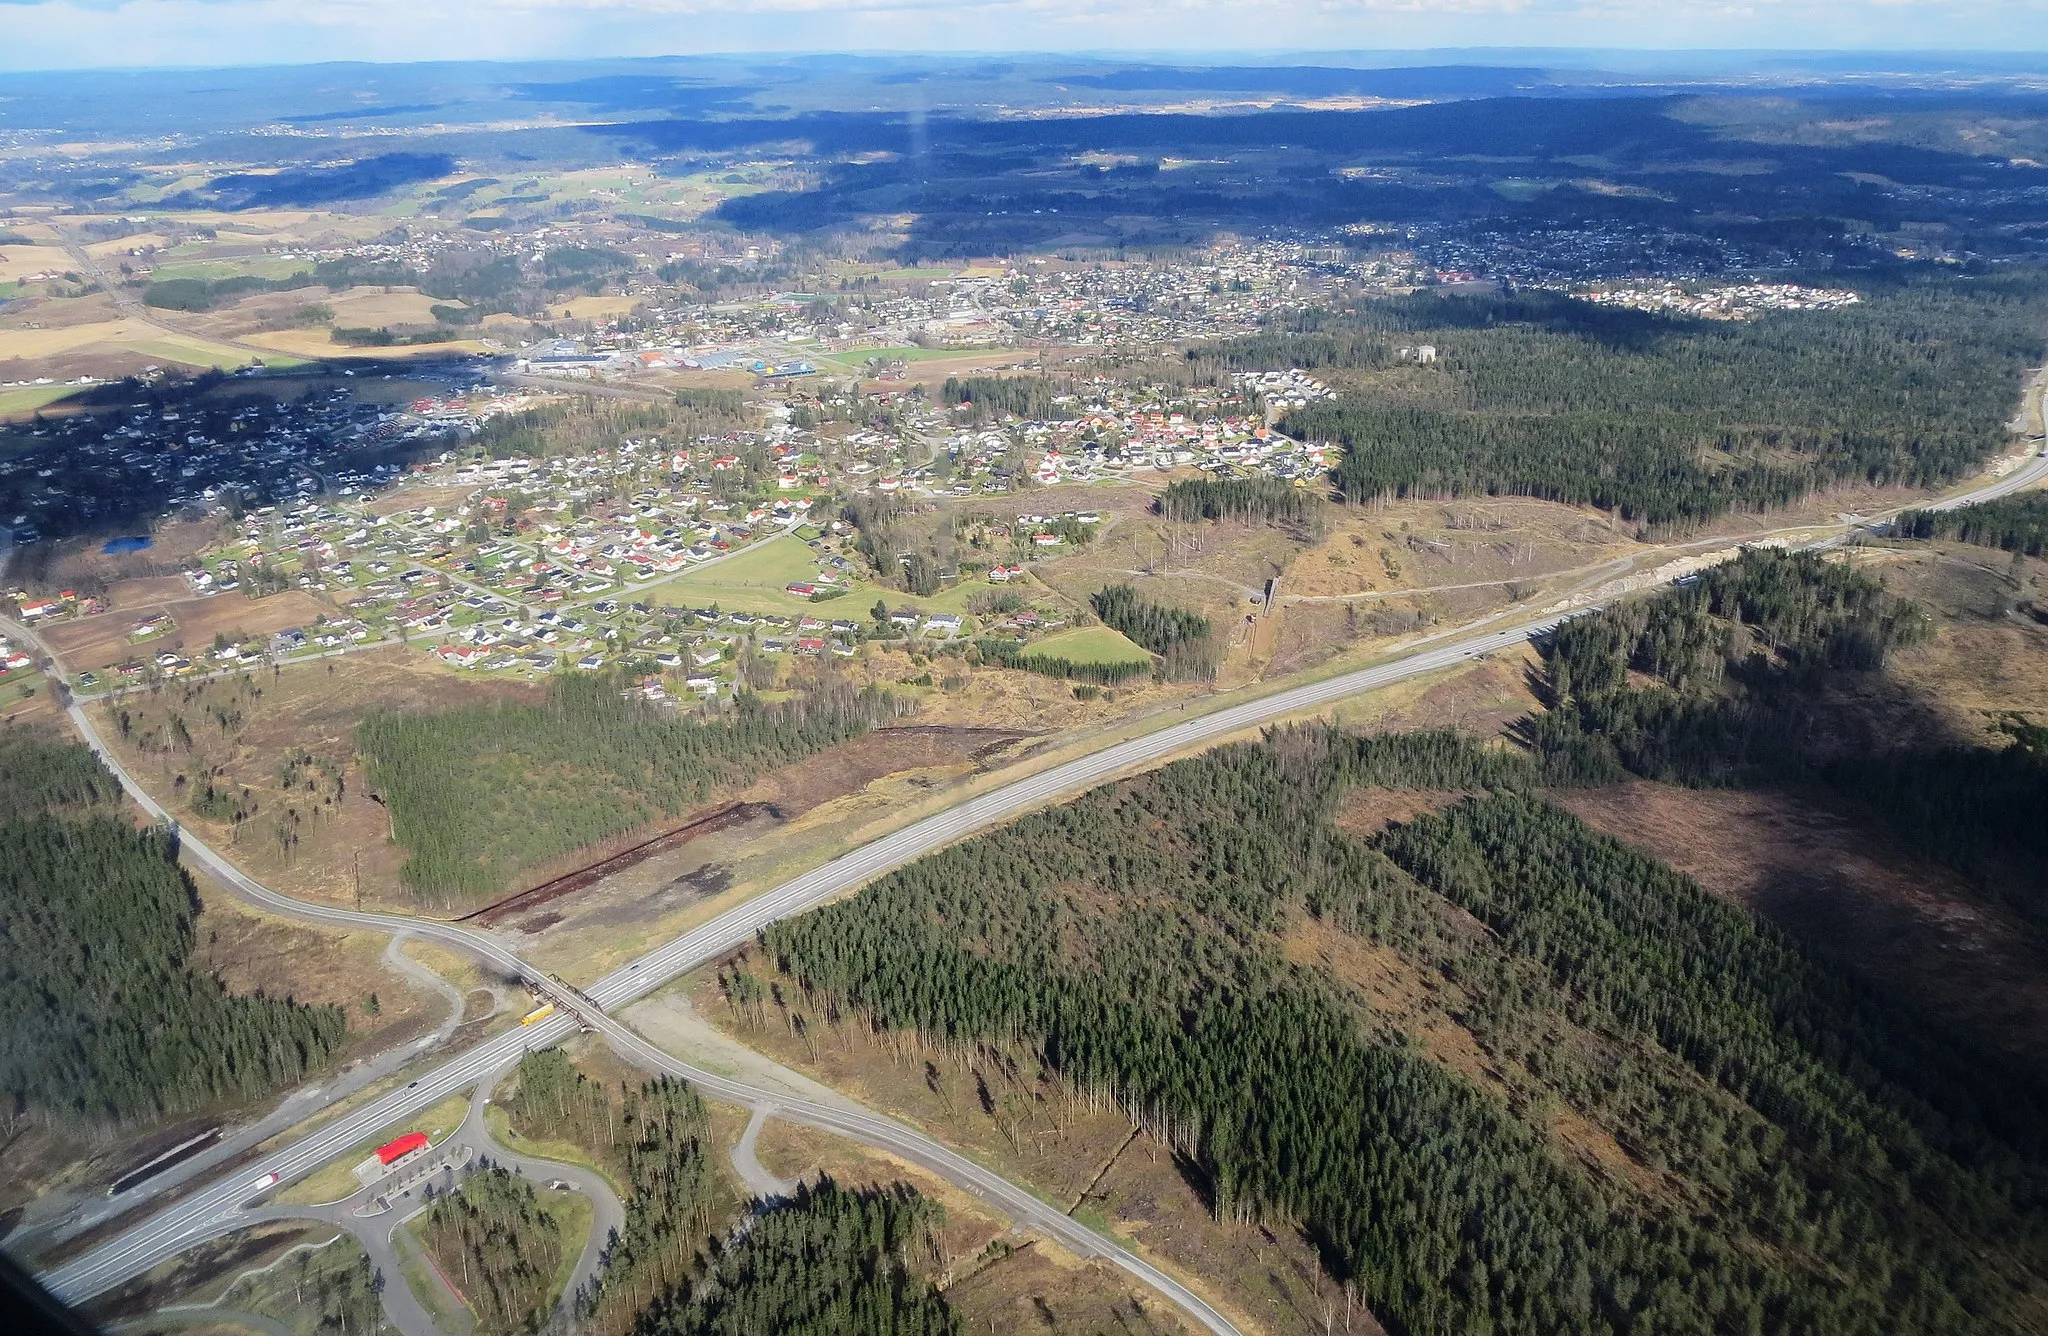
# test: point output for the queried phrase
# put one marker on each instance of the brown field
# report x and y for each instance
(1871, 904)
(413, 498)
(312, 707)
(253, 950)
(595, 308)
(119, 247)
(315, 343)
(17, 262)
(58, 313)
(102, 641)
(41, 345)
(1988, 659)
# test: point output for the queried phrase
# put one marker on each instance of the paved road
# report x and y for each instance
(214, 1210)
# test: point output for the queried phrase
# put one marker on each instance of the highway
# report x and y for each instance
(214, 1210)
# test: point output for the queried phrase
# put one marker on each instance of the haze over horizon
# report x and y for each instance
(84, 34)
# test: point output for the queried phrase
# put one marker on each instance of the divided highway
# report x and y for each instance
(215, 1210)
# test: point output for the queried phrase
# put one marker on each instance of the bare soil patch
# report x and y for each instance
(102, 641)
(1039, 1287)
(1906, 924)
(1366, 812)
(343, 833)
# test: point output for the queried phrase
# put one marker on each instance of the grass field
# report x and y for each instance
(500, 1124)
(199, 352)
(21, 401)
(253, 266)
(753, 581)
(336, 1180)
(1089, 644)
(855, 358)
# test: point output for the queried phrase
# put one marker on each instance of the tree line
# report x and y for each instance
(108, 1020)
(992, 398)
(1184, 641)
(1821, 1144)
(831, 1261)
(655, 1142)
(1664, 420)
(37, 773)
(2013, 524)
(481, 792)
(1268, 499)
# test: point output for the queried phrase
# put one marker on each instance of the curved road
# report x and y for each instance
(216, 1209)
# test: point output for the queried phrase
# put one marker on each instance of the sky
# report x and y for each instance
(76, 34)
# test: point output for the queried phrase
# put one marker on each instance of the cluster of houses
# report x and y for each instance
(1739, 301)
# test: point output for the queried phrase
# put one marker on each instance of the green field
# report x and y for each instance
(1088, 644)
(336, 1180)
(199, 352)
(854, 358)
(752, 581)
(22, 401)
(755, 581)
(253, 266)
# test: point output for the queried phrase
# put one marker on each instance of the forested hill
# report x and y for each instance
(481, 792)
(1663, 419)
(1814, 1159)
(106, 1019)
(1748, 675)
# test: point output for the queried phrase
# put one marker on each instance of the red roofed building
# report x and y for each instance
(391, 1152)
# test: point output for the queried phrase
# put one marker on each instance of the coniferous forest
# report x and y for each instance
(1825, 1162)
(832, 1261)
(1184, 641)
(481, 792)
(499, 1246)
(1664, 420)
(2013, 524)
(106, 1017)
